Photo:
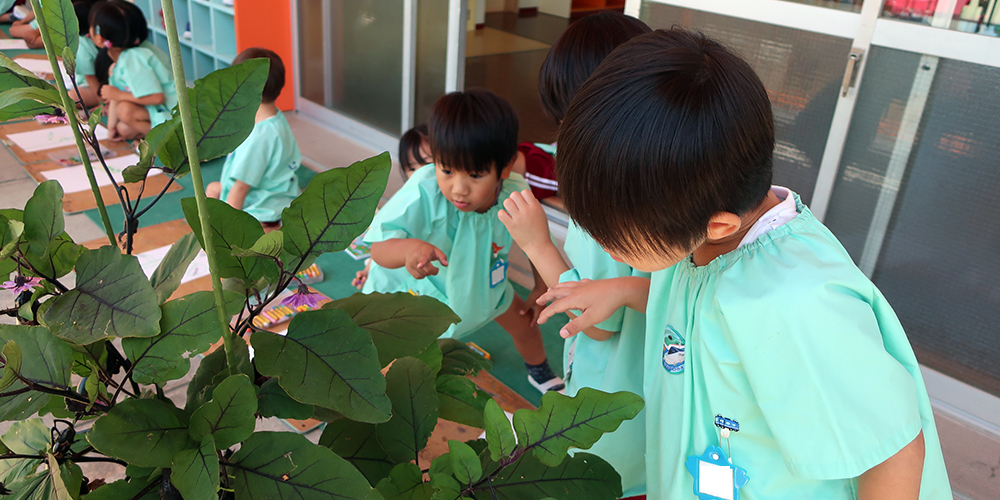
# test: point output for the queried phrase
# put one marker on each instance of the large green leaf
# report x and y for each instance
(405, 482)
(42, 485)
(112, 298)
(195, 472)
(27, 437)
(465, 463)
(60, 488)
(15, 468)
(58, 259)
(189, 326)
(144, 432)
(335, 208)
(125, 490)
(433, 356)
(223, 107)
(12, 75)
(273, 401)
(11, 364)
(286, 465)
(167, 276)
(214, 368)
(229, 416)
(410, 387)
(498, 432)
(562, 422)
(43, 216)
(400, 324)
(47, 360)
(461, 401)
(459, 359)
(62, 24)
(46, 97)
(231, 229)
(326, 360)
(581, 476)
(357, 443)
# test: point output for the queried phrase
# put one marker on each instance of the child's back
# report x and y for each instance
(140, 71)
(768, 355)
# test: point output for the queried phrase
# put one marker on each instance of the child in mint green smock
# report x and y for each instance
(266, 161)
(773, 369)
(259, 176)
(474, 243)
(141, 72)
(821, 395)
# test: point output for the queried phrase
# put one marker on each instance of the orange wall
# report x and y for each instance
(268, 24)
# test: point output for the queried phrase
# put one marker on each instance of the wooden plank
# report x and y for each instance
(84, 200)
(46, 155)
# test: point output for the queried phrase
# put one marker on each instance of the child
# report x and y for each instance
(259, 176)
(447, 212)
(86, 54)
(140, 93)
(414, 152)
(757, 318)
(26, 28)
(589, 363)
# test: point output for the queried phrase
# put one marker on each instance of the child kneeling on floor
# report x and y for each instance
(447, 212)
(259, 176)
(773, 368)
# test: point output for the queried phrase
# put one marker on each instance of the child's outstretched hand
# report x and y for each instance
(596, 301)
(525, 219)
(419, 258)
(362, 276)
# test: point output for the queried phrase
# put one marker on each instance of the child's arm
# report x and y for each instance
(596, 299)
(525, 219)
(112, 93)
(896, 478)
(416, 255)
(238, 194)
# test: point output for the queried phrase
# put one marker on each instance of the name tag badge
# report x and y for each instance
(499, 273)
(715, 477)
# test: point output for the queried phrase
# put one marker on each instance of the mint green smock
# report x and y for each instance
(6, 6)
(86, 54)
(612, 365)
(474, 284)
(267, 161)
(140, 70)
(158, 52)
(788, 337)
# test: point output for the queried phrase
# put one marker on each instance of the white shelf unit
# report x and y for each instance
(212, 44)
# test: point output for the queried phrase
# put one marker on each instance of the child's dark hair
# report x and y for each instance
(576, 54)
(409, 147)
(109, 19)
(670, 130)
(82, 8)
(474, 131)
(275, 74)
(102, 66)
(138, 29)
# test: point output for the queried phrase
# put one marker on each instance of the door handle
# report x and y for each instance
(851, 73)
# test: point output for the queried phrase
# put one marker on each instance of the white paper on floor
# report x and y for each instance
(13, 44)
(42, 67)
(74, 179)
(50, 138)
(151, 260)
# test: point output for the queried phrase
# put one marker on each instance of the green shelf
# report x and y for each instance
(212, 44)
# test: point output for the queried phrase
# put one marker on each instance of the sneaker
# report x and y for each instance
(552, 384)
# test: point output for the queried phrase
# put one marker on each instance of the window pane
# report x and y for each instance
(801, 70)
(966, 15)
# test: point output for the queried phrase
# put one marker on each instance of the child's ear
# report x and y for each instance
(723, 225)
(505, 174)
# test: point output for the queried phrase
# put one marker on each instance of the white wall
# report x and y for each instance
(527, 4)
(559, 8)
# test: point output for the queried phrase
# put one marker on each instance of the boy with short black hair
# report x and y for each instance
(447, 212)
(773, 367)
(259, 176)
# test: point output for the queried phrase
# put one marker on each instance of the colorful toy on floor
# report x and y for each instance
(278, 314)
(479, 350)
(310, 275)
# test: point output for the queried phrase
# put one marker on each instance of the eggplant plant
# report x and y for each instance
(371, 366)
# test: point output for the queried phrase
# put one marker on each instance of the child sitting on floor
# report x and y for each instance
(259, 176)
(606, 365)
(447, 212)
(140, 91)
(26, 28)
(773, 368)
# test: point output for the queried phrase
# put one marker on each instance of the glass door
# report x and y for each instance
(371, 68)
(885, 116)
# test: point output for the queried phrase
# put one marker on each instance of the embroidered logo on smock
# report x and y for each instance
(673, 350)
